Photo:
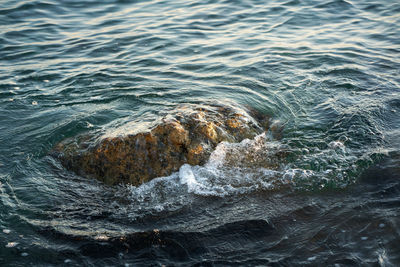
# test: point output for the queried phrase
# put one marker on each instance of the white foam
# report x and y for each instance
(241, 168)
(89, 125)
(217, 157)
(383, 258)
(101, 237)
(132, 127)
(187, 177)
(11, 244)
(233, 168)
(198, 183)
(336, 145)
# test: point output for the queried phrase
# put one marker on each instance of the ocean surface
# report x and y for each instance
(326, 72)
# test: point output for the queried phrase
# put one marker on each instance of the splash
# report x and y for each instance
(260, 164)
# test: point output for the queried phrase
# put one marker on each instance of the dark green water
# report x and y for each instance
(327, 71)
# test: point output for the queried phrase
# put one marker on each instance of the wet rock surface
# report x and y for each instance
(189, 135)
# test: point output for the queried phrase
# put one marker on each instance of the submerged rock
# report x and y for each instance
(188, 136)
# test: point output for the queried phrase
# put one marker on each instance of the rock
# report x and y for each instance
(188, 136)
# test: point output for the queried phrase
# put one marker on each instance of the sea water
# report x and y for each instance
(324, 190)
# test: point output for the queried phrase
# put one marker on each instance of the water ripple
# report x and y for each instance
(326, 73)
